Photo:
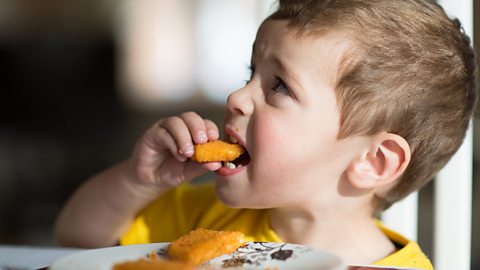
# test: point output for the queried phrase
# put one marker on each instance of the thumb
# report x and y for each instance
(194, 169)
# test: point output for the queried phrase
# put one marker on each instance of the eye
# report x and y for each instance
(281, 88)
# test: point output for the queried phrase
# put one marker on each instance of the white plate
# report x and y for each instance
(255, 255)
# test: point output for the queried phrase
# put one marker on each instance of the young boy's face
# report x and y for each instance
(287, 118)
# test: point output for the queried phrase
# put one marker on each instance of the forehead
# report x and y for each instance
(321, 52)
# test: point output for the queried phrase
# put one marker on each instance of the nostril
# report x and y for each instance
(238, 111)
(234, 106)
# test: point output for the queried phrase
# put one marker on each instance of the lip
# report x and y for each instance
(229, 131)
(232, 132)
(224, 171)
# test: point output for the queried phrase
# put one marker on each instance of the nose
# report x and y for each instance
(240, 102)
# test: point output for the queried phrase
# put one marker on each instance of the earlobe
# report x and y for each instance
(384, 162)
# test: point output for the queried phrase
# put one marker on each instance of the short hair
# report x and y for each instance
(410, 71)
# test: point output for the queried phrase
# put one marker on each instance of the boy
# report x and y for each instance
(351, 106)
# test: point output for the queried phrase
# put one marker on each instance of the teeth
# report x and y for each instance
(233, 140)
(229, 165)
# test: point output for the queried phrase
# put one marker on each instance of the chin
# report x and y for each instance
(225, 195)
(237, 201)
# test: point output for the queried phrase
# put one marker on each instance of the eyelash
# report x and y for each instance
(251, 69)
(278, 82)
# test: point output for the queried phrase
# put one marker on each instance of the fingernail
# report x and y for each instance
(187, 149)
(201, 136)
(212, 133)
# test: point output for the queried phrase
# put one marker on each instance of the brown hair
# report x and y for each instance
(411, 71)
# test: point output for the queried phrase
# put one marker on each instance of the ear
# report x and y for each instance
(385, 160)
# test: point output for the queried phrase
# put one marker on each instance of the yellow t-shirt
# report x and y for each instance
(188, 207)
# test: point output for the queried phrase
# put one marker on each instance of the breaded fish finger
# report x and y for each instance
(217, 151)
(202, 245)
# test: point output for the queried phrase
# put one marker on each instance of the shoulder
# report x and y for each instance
(408, 254)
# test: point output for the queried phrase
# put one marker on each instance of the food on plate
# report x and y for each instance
(217, 151)
(157, 264)
(188, 251)
(202, 245)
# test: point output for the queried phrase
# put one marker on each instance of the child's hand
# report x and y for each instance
(102, 209)
(162, 155)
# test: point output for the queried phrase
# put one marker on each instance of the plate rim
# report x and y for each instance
(144, 249)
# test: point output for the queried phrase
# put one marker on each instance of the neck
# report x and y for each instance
(351, 235)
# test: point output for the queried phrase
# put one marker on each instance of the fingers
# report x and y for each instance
(201, 130)
(194, 169)
(212, 166)
(212, 130)
(188, 129)
(175, 173)
(201, 168)
(196, 125)
(180, 134)
(162, 136)
(162, 155)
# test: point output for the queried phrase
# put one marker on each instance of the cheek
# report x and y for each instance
(272, 139)
(293, 147)
(278, 149)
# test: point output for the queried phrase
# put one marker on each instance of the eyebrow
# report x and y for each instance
(283, 69)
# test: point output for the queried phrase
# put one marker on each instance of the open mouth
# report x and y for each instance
(242, 160)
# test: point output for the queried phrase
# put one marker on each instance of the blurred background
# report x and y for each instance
(81, 80)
